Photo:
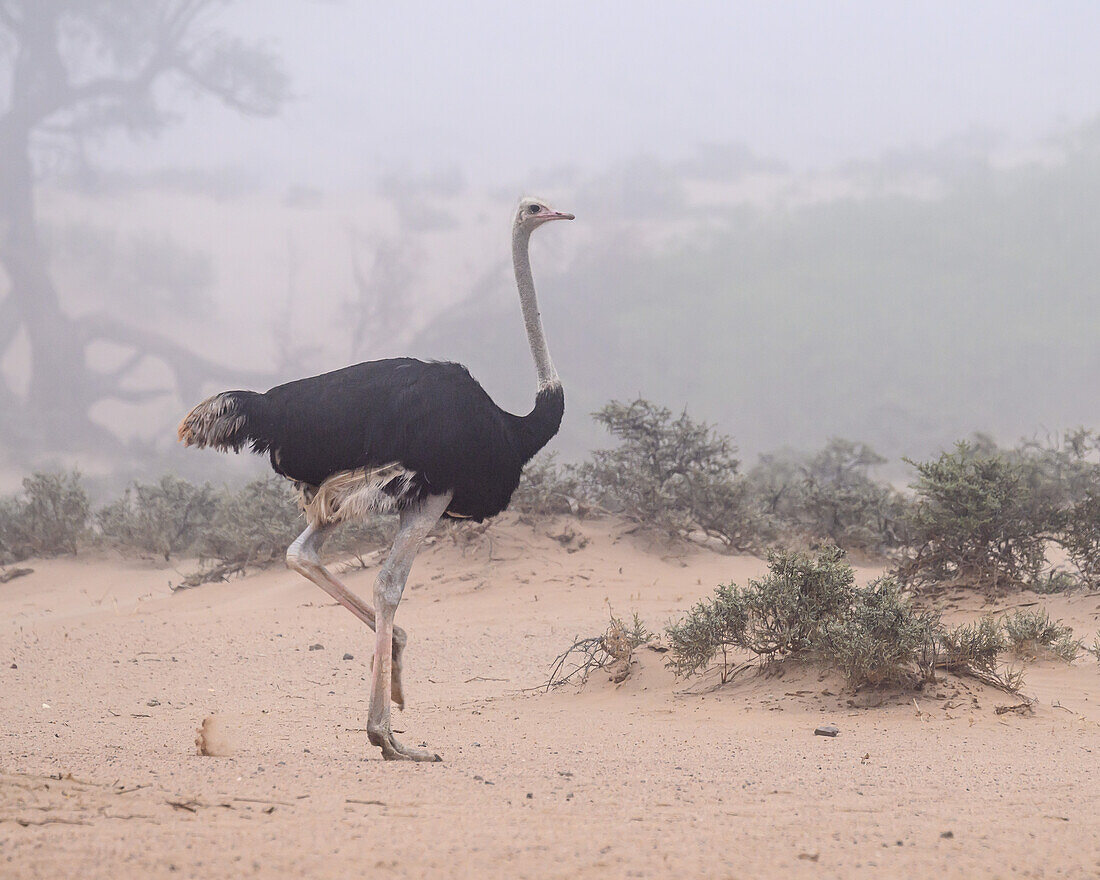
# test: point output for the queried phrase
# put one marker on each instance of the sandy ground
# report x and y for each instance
(105, 676)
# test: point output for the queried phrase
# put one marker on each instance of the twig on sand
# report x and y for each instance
(591, 654)
(364, 802)
(1024, 708)
(217, 573)
(12, 573)
(245, 800)
(728, 675)
(51, 820)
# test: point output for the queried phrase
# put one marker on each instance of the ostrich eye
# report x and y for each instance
(534, 209)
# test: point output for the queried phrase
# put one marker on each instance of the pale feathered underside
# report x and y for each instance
(356, 494)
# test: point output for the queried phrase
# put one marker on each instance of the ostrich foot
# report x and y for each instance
(392, 750)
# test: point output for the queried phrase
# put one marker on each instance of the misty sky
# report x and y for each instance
(505, 90)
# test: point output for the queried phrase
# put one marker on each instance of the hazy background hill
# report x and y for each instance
(922, 300)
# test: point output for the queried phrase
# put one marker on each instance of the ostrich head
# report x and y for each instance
(534, 212)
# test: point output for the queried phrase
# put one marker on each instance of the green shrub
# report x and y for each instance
(788, 609)
(844, 505)
(674, 474)
(979, 521)
(1080, 536)
(1061, 471)
(253, 525)
(881, 639)
(829, 496)
(1030, 632)
(809, 607)
(975, 645)
(711, 629)
(49, 518)
(784, 614)
(546, 488)
(164, 518)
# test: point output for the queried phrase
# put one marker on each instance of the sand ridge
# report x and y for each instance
(114, 674)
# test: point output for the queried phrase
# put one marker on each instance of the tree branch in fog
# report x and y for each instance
(79, 68)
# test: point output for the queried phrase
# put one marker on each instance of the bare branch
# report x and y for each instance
(182, 18)
(122, 87)
(127, 366)
(191, 370)
(248, 79)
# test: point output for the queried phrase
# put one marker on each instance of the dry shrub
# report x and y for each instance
(611, 651)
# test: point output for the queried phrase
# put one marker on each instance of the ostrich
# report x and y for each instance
(400, 435)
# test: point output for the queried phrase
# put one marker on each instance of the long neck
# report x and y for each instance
(536, 336)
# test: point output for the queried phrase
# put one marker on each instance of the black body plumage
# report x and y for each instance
(432, 418)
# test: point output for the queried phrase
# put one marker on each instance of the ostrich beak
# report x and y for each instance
(560, 215)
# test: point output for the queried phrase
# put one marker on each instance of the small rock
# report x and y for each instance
(152, 702)
(827, 730)
(947, 835)
(349, 657)
(530, 796)
(317, 647)
(13, 666)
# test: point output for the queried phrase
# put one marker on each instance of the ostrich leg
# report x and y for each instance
(416, 521)
(304, 556)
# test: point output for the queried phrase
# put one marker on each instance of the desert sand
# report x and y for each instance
(106, 676)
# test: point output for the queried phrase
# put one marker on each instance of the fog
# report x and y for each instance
(800, 220)
(507, 93)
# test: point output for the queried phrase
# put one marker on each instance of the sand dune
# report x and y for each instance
(106, 677)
